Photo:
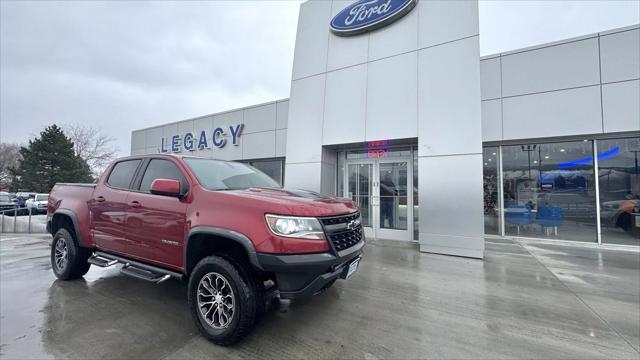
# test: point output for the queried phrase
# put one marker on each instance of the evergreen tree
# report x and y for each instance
(50, 159)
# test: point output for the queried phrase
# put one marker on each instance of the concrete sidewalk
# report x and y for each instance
(524, 301)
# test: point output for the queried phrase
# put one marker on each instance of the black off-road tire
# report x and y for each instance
(245, 309)
(76, 265)
(254, 282)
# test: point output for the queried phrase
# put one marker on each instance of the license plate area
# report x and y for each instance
(353, 266)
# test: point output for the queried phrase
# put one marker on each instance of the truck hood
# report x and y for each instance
(296, 201)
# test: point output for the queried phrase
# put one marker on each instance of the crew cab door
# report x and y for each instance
(108, 207)
(155, 224)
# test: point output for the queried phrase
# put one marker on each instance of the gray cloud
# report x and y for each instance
(126, 65)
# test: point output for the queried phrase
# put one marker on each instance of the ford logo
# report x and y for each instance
(367, 15)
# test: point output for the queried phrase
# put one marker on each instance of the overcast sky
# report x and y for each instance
(126, 65)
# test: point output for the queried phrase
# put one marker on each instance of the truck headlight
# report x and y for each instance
(295, 227)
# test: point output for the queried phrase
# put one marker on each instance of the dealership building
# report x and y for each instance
(392, 106)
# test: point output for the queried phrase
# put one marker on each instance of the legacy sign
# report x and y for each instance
(202, 140)
(367, 15)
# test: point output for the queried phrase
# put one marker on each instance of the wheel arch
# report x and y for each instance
(67, 217)
(205, 240)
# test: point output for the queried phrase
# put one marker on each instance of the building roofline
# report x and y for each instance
(563, 41)
(214, 114)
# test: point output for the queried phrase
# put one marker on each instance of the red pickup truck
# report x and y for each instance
(227, 228)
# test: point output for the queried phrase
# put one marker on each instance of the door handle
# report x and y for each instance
(100, 199)
(135, 204)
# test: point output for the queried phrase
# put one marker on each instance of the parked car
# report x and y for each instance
(6, 205)
(227, 228)
(617, 213)
(38, 204)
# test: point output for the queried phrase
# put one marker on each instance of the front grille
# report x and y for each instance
(339, 234)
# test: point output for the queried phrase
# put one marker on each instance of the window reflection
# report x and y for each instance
(490, 185)
(619, 180)
(273, 168)
(549, 190)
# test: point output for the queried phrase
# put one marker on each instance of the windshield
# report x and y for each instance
(4, 198)
(222, 175)
(42, 197)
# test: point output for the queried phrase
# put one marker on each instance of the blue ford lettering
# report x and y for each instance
(217, 137)
(367, 15)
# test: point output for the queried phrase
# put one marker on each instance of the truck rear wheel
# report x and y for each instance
(222, 303)
(68, 260)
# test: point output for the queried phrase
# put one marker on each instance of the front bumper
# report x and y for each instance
(300, 276)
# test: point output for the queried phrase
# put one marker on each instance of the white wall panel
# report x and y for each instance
(153, 137)
(258, 145)
(443, 21)
(621, 106)
(310, 56)
(137, 140)
(449, 101)
(283, 114)
(399, 37)
(306, 108)
(204, 123)
(451, 206)
(183, 128)
(259, 118)
(392, 110)
(224, 120)
(228, 152)
(558, 113)
(345, 105)
(303, 176)
(346, 51)
(168, 131)
(151, 150)
(281, 142)
(490, 87)
(620, 55)
(491, 120)
(551, 68)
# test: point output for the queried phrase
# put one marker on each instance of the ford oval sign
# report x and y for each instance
(367, 15)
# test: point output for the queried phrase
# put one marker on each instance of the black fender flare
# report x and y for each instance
(232, 235)
(74, 221)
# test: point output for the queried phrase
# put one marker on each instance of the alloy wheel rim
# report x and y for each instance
(216, 301)
(61, 254)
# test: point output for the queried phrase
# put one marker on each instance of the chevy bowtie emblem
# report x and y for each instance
(352, 224)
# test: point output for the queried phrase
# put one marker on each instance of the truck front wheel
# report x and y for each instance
(68, 260)
(222, 303)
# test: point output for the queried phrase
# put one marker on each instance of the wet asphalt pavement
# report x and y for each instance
(529, 300)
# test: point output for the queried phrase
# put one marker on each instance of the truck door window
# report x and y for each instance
(162, 169)
(122, 174)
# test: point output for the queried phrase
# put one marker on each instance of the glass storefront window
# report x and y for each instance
(549, 190)
(491, 190)
(619, 181)
(273, 168)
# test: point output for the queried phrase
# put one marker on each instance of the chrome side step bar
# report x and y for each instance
(134, 268)
(101, 262)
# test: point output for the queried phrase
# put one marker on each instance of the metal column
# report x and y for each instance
(596, 176)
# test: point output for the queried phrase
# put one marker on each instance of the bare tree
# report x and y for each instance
(9, 158)
(92, 146)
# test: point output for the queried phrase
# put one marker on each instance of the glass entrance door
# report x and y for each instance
(381, 189)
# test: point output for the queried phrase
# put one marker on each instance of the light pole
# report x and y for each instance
(529, 149)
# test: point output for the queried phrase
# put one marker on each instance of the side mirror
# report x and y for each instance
(167, 187)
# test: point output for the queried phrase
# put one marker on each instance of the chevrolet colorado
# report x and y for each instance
(228, 229)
